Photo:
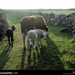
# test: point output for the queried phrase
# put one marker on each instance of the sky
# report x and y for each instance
(37, 4)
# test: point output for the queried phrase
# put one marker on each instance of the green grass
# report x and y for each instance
(55, 52)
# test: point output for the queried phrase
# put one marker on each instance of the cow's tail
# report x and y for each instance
(21, 27)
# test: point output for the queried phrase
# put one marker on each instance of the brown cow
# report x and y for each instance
(30, 22)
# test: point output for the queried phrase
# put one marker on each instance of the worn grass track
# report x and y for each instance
(55, 53)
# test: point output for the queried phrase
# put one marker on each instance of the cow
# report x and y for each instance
(30, 22)
(35, 36)
(9, 33)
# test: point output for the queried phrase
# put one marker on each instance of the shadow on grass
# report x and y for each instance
(67, 35)
(4, 56)
(56, 31)
(23, 60)
(48, 58)
(53, 56)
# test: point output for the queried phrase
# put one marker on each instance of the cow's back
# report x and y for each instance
(28, 23)
(31, 22)
(40, 22)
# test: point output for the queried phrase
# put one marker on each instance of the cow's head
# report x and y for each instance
(46, 28)
(45, 34)
(13, 28)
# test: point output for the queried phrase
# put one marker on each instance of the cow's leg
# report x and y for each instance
(34, 44)
(27, 43)
(40, 44)
(28, 46)
(23, 36)
(8, 40)
(12, 39)
(34, 47)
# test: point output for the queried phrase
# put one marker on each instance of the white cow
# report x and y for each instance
(35, 37)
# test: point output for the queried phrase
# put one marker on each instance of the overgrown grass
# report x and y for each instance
(56, 51)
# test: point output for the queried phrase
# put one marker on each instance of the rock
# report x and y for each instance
(67, 62)
(55, 23)
(63, 30)
(72, 51)
(0, 42)
(3, 25)
(73, 64)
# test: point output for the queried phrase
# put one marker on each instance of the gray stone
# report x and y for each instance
(3, 25)
(68, 20)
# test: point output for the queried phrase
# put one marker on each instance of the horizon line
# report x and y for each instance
(43, 9)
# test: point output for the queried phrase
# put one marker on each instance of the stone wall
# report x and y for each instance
(49, 18)
(3, 25)
(68, 20)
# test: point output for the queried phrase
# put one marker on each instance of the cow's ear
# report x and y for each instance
(47, 28)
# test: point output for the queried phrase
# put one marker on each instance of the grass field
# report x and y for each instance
(57, 53)
(57, 12)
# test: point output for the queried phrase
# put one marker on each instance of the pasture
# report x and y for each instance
(57, 53)
(57, 12)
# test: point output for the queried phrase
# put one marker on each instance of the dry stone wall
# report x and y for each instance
(3, 25)
(68, 21)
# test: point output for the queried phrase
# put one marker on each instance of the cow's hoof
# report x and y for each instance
(31, 45)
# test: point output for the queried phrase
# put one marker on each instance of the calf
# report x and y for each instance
(35, 37)
(9, 33)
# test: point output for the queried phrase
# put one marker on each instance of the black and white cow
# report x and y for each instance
(9, 33)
